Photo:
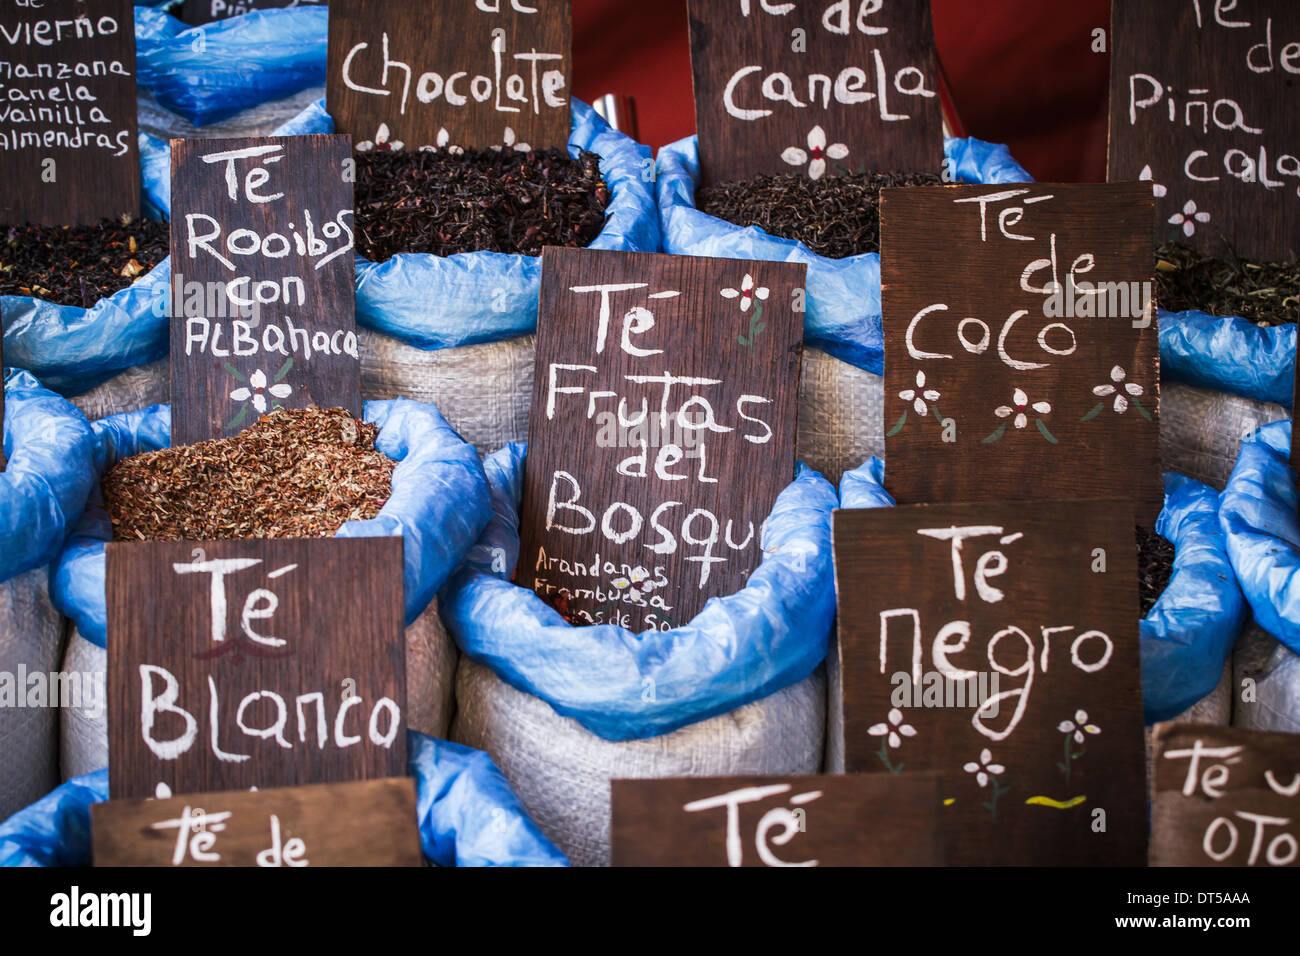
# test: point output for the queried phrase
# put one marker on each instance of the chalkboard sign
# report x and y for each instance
(234, 664)
(1021, 356)
(68, 150)
(1202, 108)
(831, 820)
(263, 293)
(815, 87)
(371, 823)
(997, 644)
(1225, 797)
(473, 74)
(206, 11)
(662, 430)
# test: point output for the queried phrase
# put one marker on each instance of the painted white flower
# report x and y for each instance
(1188, 218)
(508, 142)
(1079, 726)
(893, 729)
(1147, 177)
(1118, 389)
(443, 141)
(984, 768)
(920, 395)
(1020, 401)
(258, 390)
(746, 293)
(817, 153)
(629, 586)
(380, 141)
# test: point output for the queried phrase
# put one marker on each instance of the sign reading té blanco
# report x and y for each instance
(369, 823)
(1225, 797)
(236, 664)
(68, 150)
(1021, 355)
(817, 87)
(263, 294)
(1203, 98)
(831, 820)
(997, 644)
(431, 73)
(661, 432)
(206, 11)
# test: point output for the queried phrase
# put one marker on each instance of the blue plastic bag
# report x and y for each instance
(770, 634)
(439, 505)
(212, 72)
(43, 489)
(1258, 515)
(432, 302)
(843, 301)
(1229, 354)
(468, 815)
(1189, 632)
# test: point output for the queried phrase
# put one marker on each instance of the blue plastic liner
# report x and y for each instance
(212, 72)
(43, 489)
(1229, 354)
(1189, 632)
(467, 813)
(432, 302)
(439, 505)
(843, 300)
(1258, 515)
(770, 634)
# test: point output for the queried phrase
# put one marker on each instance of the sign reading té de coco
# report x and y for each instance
(997, 644)
(817, 87)
(68, 148)
(661, 431)
(1203, 108)
(1021, 355)
(474, 74)
(263, 293)
(236, 664)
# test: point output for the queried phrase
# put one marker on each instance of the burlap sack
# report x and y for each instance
(430, 677)
(31, 642)
(127, 391)
(840, 415)
(561, 772)
(1201, 430)
(1266, 683)
(1214, 708)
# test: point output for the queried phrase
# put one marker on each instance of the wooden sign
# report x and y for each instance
(268, 663)
(68, 149)
(814, 87)
(830, 820)
(1021, 356)
(469, 73)
(263, 293)
(662, 430)
(206, 11)
(371, 823)
(1203, 108)
(997, 644)
(1225, 797)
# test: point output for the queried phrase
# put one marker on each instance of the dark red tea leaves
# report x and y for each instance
(79, 265)
(1267, 293)
(443, 203)
(294, 474)
(1155, 566)
(836, 216)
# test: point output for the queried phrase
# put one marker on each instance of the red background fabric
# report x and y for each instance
(1020, 72)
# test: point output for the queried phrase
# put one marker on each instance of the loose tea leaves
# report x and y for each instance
(836, 216)
(1267, 293)
(79, 265)
(1155, 566)
(294, 474)
(444, 203)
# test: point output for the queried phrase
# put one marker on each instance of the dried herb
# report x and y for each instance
(79, 265)
(293, 474)
(1267, 293)
(443, 203)
(1155, 566)
(836, 216)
